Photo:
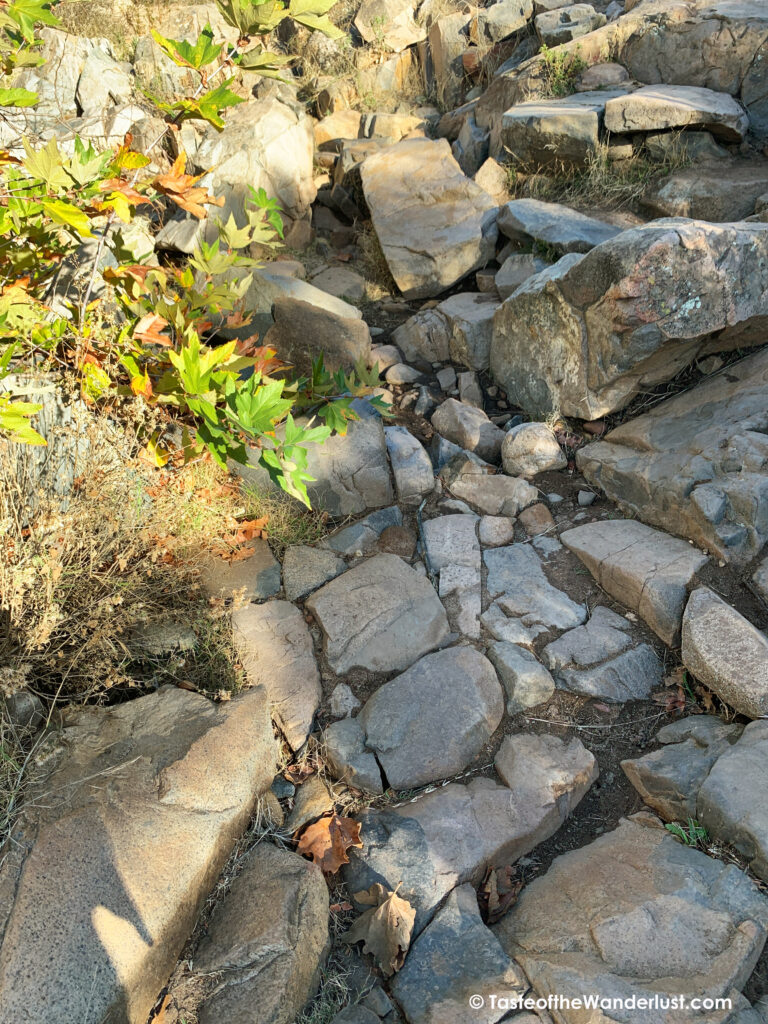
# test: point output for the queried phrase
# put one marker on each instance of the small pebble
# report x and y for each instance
(586, 498)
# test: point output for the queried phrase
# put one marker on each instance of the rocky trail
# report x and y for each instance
(535, 633)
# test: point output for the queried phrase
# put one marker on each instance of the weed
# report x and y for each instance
(561, 69)
(691, 834)
(288, 522)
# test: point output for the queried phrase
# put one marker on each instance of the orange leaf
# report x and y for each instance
(149, 329)
(179, 187)
(328, 840)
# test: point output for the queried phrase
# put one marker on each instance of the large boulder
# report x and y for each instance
(119, 847)
(458, 329)
(660, 107)
(559, 227)
(695, 464)
(584, 339)
(434, 225)
(302, 332)
(723, 192)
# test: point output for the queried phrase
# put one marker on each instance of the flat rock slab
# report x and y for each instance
(452, 540)
(275, 647)
(363, 535)
(119, 847)
(381, 615)
(433, 720)
(585, 338)
(646, 570)
(566, 230)
(411, 466)
(485, 492)
(517, 581)
(726, 653)
(526, 681)
(722, 193)
(434, 225)
(306, 568)
(301, 332)
(268, 938)
(637, 913)
(656, 107)
(452, 835)
(566, 23)
(430, 988)
(248, 579)
(694, 465)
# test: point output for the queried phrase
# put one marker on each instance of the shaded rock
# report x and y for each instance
(600, 76)
(430, 989)
(515, 270)
(721, 194)
(658, 107)
(531, 448)
(694, 464)
(564, 229)
(470, 392)
(537, 520)
(460, 591)
(448, 39)
(517, 581)
(503, 19)
(156, 639)
(275, 647)
(554, 773)
(385, 356)
(760, 579)
(648, 571)
(313, 800)
(362, 536)
(567, 23)
(587, 339)
(343, 701)
(178, 777)
(302, 332)
(401, 373)
(306, 568)
(491, 494)
(24, 710)
(348, 757)
(248, 579)
(434, 225)
(268, 938)
(637, 913)
(526, 681)
(605, 635)
(341, 282)
(380, 615)
(411, 466)
(398, 540)
(270, 285)
(726, 653)
(432, 721)
(470, 150)
(496, 531)
(470, 428)
(459, 329)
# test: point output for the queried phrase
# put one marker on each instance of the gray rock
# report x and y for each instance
(302, 332)
(567, 23)
(401, 373)
(630, 676)
(448, 37)
(411, 466)
(509, 629)
(460, 590)
(389, 23)
(359, 537)
(660, 107)
(470, 150)
(413, 189)
(526, 681)
(158, 639)
(313, 800)
(496, 531)
(515, 270)
(306, 568)
(723, 193)
(760, 579)
(385, 356)
(694, 464)
(452, 540)
(268, 938)
(516, 580)
(380, 615)
(103, 80)
(24, 710)
(503, 19)
(470, 428)
(430, 988)
(356, 1015)
(348, 758)
(564, 229)
(270, 285)
(248, 579)
(487, 493)
(636, 913)
(446, 378)
(432, 721)
(341, 282)
(726, 653)
(275, 647)
(469, 323)
(585, 338)
(605, 635)
(648, 571)
(343, 701)
(531, 448)
(177, 780)
(534, 765)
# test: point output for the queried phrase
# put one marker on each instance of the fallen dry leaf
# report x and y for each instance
(328, 840)
(498, 893)
(385, 929)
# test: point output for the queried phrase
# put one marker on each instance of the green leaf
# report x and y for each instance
(69, 215)
(18, 98)
(47, 164)
(263, 62)
(198, 55)
(14, 421)
(206, 107)
(313, 14)
(27, 13)
(251, 18)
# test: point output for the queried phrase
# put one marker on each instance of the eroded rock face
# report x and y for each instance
(585, 339)
(435, 225)
(695, 464)
(637, 913)
(660, 107)
(103, 884)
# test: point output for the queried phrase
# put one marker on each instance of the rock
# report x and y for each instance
(398, 540)
(275, 647)
(103, 79)
(567, 23)
(343, 701)
(537, 520)
(503, 19)
(398, 126)
(459, 329)
(632, 675)
(269, 285)
(248, 579)
(313, 800)
(411, 466)
(726, 653)
(413, 190)
(638, 914)
(429, 988)
(526, 681)
(348, 758)
(448, 39)
(363, 535)
(555, 773)
(586, 498)
(722, 194)
(566, 130)
(341, 124)
(268, 940)
(178, 778)
(531, 448)
(517, 581)
(669, 779)
(760, 580)
(389, 23)
(470, 150)
(648, 571)
(694, 464)
(385, 356)
(357, 1014)
(470, 392)
(461, 593)
(470, 428)
(515, 270)
(24, 710)
(306, 568)
(453, 834)
(401, 373)
(433, 720)
(660, 107)
(446, 378)
(378, 1001)
(496, 531)
(380, 615)
(602, 76)
(488, 494)
(493, 179)
(563, 229)
(586, 340)
(452, 540)
(159, 639)
(340, 281)
(302, 332)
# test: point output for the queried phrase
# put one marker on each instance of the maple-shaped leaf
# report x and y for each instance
(29, 13)
(385, 929)
(180, 189)
(207, 107)
(328, 840)
(149, 330)
(195, 55)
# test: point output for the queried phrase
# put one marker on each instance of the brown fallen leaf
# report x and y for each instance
(340, 908)
(328, 840)
(385, 930)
